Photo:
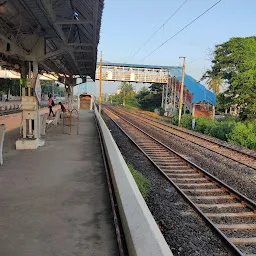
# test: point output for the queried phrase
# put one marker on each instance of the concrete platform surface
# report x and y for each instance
(54, 200)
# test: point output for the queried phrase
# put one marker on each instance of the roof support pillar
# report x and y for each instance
(30, 100)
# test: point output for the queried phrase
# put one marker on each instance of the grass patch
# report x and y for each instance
(141, 181)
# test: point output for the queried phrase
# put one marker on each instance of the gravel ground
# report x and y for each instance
(238, 176)
(201, 135)
(183, 230)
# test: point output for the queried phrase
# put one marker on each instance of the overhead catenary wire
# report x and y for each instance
(181, 30)
(154, 33)
(159, 28)
(197, 59)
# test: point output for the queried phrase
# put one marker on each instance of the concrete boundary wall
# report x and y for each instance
(142, 234)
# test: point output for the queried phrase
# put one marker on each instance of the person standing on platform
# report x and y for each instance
(50, 105)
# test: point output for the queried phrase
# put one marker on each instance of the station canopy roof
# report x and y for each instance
(69, 28)
(198, 91)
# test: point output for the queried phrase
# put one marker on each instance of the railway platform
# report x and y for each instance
(55, 200)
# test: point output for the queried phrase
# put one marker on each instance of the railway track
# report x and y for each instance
(226, 151)
(8, 112)
(230, 214)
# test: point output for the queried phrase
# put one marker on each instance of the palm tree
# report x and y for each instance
(214, 84)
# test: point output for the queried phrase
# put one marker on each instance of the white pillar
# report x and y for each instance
(31, 96)
(30, 92)
(193, 109)
(162, 104)
(166, 94)
(37, 124)
(78, 99)
(30, 134)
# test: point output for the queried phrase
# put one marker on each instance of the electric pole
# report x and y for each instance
(182, 87)
(100, 96)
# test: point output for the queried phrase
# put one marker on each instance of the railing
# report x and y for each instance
(140, 75)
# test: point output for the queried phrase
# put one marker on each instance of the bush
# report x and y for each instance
(253, 124)
(243, 134)
(175, 120)
(186, 121)
(227, 129)
(220, 129)
(141, 181)
(161, 111)
(202, 123)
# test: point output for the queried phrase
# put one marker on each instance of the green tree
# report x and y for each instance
(47, 87)
(127, 93)
(150, 99)
(224, 102)
(235, 63)
(12, 84)
(143, 92)
(117, 99)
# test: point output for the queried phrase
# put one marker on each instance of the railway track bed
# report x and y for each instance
(245, 157)
(237, 175)
(230, 214)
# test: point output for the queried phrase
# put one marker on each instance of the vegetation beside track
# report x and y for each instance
(228, 129)
(141, 181)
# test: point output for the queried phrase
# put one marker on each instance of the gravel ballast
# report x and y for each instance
(238, 176)
(183, 229)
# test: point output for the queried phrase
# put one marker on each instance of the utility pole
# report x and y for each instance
(100, 95)
(182, 87)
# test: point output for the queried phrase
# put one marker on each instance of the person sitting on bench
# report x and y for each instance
(63, 109)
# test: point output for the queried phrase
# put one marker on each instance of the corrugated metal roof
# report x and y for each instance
(137, 65)
(199, 92)
(79, 33)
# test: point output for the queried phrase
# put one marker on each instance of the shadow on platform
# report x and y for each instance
(54, 200)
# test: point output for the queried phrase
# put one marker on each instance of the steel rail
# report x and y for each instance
(151, 122)
(251, 204)
(5, 113)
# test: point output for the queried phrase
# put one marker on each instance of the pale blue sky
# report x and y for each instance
(127, 24)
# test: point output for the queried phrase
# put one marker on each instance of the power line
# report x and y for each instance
(181, 30)
(197, 59)
(155, 32)
(159, 29)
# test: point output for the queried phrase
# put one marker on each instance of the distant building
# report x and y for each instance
(88, 87)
